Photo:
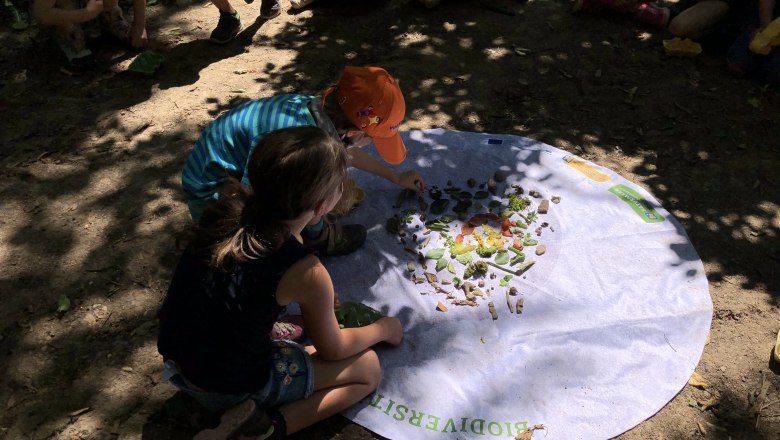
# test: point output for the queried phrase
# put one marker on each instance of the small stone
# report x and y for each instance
(471, 182)
(492, 186)
(492, 275)
(446, 282)
(519, 306)
(541, 249)
(411, 266)
(513, 290)
(441, 307)
(556, 199)
(544, 206)
(492, 309)
(499, 175)
(534, 193)
(481, 283)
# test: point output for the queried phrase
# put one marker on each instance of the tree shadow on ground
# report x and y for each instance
(96, 199)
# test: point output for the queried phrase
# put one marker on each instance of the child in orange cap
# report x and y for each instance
(365, 105)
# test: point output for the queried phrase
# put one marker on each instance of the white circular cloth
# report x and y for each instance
(614, 320)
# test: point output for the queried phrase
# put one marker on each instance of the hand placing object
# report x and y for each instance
(94, 8)
(411, 180)
(138, 35)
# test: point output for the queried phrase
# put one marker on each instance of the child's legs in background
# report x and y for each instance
(741, 61)
(769, 71)
(337, 386)
(699, 19)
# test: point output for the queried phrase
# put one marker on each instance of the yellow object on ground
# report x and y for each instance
(777, 348)
(682, 47)
(768, 38)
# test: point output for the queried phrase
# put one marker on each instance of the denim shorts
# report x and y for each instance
(291, 378)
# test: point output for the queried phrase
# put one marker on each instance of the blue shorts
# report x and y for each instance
(291, 378)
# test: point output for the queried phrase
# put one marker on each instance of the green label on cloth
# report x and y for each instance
(637, 203)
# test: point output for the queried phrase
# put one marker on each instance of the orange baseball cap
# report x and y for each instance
(372, 100)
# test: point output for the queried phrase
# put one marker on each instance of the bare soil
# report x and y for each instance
(91, 194)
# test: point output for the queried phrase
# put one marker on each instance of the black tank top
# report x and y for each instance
(215, 325)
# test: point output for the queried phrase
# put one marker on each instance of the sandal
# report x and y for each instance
(244, 419)
(337, 239)
(71, 42)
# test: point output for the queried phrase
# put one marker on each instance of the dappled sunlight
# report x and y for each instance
(92, 182)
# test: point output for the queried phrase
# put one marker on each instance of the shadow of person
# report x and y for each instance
(190, 58)
(179, 417)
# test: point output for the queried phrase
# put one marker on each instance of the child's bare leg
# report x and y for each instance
(224, 6)
(337, 386)
(699, 19)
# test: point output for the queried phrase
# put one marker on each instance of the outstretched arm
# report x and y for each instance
(408, 179)
(766, 10)
(308, 283)
(138, 29)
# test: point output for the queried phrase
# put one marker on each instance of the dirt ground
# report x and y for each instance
(91, 196)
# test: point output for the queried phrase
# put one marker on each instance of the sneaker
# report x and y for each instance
(652, 15)
(300, 4)
(72, 43)
(228, 27)
(287, 328)
(270, 9)
(114, 23)
(337, 239)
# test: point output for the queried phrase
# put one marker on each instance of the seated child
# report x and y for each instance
(66, 16)
(754, 16)
(698, 19)
(244, 263)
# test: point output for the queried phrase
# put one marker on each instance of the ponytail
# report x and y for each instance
(230, 231)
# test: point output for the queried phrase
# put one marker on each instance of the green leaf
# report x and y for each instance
(528, 241)
(464, 258)
(457, 281)
(434, 254)
(354, 314)
(494, 204)
(439, 206)
(481, 195)
(63, 304)
(519, 258)
(450, 267)
(502, 257)
(505, 280)
(441, 263)
(146, 63)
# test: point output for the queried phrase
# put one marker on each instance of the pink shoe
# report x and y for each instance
(288, 328)
(652, 15)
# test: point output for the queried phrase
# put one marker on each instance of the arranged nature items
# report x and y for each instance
(461, 235)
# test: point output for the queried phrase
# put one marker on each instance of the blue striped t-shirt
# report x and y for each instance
(223, 149)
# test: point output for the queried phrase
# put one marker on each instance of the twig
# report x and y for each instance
(670, 344)
(106, 320)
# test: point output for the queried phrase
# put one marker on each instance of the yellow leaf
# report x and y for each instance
(697, 381)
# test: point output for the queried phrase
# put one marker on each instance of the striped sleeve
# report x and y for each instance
(224, 147)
